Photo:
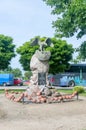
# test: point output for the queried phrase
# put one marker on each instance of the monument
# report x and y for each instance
(39, 64)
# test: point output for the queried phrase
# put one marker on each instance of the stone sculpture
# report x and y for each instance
(39, 66)
(40, 60)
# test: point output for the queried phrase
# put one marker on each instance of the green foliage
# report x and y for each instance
(26, 51)
(71, 17)
(6, 51)
(27, 75)
(16, 72)
(61, 54)
(79, 89)
(82, 51)
(58, 6)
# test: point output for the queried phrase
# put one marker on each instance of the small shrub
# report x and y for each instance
(79, 89)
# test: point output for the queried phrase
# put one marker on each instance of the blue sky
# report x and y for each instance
(24, 19)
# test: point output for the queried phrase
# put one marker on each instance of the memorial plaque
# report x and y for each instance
(41, 78)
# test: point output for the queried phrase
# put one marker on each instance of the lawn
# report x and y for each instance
(15, 90)
(66, 91)
(70, 91)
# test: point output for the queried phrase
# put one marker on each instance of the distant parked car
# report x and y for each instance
(26, 82)
(18, 81)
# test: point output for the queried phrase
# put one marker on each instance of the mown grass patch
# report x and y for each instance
(70, 91)
(66, 91)
(10, 90)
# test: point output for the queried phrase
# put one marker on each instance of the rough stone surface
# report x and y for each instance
(38, 66)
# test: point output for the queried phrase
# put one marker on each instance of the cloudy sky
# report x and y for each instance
(24, 19)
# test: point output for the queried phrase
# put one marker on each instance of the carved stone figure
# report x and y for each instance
(42, 44)
(40, 60)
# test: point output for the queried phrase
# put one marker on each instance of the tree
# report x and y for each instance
(17, 73)
(6, 51)
(61, 54)
(26, 51)
(82, 51)
(71, 17)
(27, 75)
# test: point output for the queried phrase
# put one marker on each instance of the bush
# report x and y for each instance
(79, 89)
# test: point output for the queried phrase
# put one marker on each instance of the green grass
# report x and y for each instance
(70, 91)
(66, 91)
(15, 90)
(1, 91)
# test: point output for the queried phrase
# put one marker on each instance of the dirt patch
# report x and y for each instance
(2, 114)
(56, 116)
